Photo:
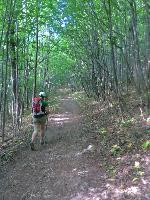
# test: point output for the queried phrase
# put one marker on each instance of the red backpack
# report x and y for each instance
(37, 107)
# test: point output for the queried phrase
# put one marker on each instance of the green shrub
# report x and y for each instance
(116, 149)
(146, 145)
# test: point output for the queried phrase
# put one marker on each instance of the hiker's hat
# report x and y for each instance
(42, 94)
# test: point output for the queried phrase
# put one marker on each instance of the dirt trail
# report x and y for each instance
(62, 169)
(56, 171)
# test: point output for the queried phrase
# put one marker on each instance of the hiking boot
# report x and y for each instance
(32, 146)
(42, 142)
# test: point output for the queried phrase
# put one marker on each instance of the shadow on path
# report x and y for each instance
(60, 170)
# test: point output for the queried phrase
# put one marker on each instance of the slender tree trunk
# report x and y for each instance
(18, 93)
(2, 90)
(109, 13)
(147, 60)
(5, 83)
(37, 48)
(13, 47)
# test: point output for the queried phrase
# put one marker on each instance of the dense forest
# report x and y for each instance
(99, 46)
(86, 66)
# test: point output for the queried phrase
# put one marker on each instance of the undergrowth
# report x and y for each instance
(112, 135)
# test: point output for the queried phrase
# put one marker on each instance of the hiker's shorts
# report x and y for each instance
(37, 122)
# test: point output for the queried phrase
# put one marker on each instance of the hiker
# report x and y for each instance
(40, 113)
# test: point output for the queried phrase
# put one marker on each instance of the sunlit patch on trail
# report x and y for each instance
(108, 192)
(62, 118)
(64, 99)
(144, 181)
(133, 190)
(146, 159)
(80, 173)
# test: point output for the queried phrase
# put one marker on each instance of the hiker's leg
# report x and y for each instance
(36, 126)
(42, 132)
(34, 134)
(42, 128)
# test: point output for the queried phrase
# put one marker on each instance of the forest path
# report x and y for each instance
(65, 168)
(57, 170)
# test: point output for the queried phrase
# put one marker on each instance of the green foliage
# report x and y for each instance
(103, 132)
(115, 150)
(111, 170)
(81, 98)
(53, 101)
(60, 66)
(146, 145)
(147, 131)
(73, 43)
(127, 123)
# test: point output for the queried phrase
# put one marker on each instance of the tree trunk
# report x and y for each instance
(5, 84)
(37, 49)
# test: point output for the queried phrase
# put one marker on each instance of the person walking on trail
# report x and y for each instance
(40, 113)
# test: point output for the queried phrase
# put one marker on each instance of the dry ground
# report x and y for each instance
(70, 166)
